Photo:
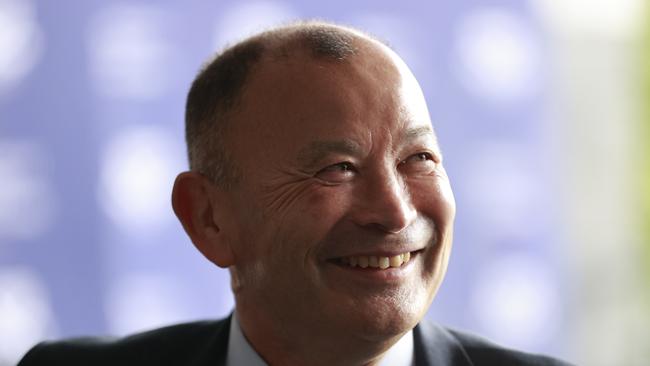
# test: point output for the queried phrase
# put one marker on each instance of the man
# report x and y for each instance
(317, 180)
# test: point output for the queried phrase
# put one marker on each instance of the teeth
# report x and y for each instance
(372, 261)
(396, 261)
(363, 261)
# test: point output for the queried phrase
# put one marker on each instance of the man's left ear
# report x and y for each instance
(197, 210)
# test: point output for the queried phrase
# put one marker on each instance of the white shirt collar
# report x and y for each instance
(240, 352)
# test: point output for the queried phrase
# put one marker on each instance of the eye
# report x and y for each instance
(420, 157)
(337, 173)
(420, 163)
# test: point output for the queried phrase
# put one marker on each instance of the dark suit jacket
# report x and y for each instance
(205, 344)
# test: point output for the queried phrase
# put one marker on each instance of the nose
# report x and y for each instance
(384, 203)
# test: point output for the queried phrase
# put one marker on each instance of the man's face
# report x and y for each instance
(339, 165)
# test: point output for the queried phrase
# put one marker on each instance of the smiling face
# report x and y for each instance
(340, 170)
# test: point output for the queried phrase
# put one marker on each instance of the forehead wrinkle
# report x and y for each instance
(317, 150)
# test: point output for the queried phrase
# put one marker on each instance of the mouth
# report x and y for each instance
(374, 269)
(376, 262)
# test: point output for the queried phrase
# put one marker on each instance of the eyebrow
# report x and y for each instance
(417, 132)
(318, 150)
(423, 131)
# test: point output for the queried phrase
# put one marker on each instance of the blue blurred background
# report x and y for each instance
(538, 105)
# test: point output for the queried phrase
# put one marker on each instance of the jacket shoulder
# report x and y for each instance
(186, 344)
(488, 353)
(453, 347)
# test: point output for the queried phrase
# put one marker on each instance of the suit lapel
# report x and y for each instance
(213, 353)
(434, 346)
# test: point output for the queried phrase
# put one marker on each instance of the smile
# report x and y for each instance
(377, 262)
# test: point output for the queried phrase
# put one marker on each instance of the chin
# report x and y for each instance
(383, 318)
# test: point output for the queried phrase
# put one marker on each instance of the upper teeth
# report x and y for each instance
(372, 261)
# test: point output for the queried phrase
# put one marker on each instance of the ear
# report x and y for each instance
(197, 210)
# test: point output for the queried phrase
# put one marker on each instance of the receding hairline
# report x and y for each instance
(311, 41)
(298, 41)
(295, 33)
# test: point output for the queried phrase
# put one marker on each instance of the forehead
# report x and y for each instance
(301, 76)
(305, 97)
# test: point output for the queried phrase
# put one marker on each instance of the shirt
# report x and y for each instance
(240, 352)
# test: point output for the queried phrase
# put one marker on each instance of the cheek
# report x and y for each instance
(322, 207)
(284, 259)
(310, 223)
(296, 231)
(435, 199)
(445, 201)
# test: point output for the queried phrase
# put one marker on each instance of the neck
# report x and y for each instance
(285, 343)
